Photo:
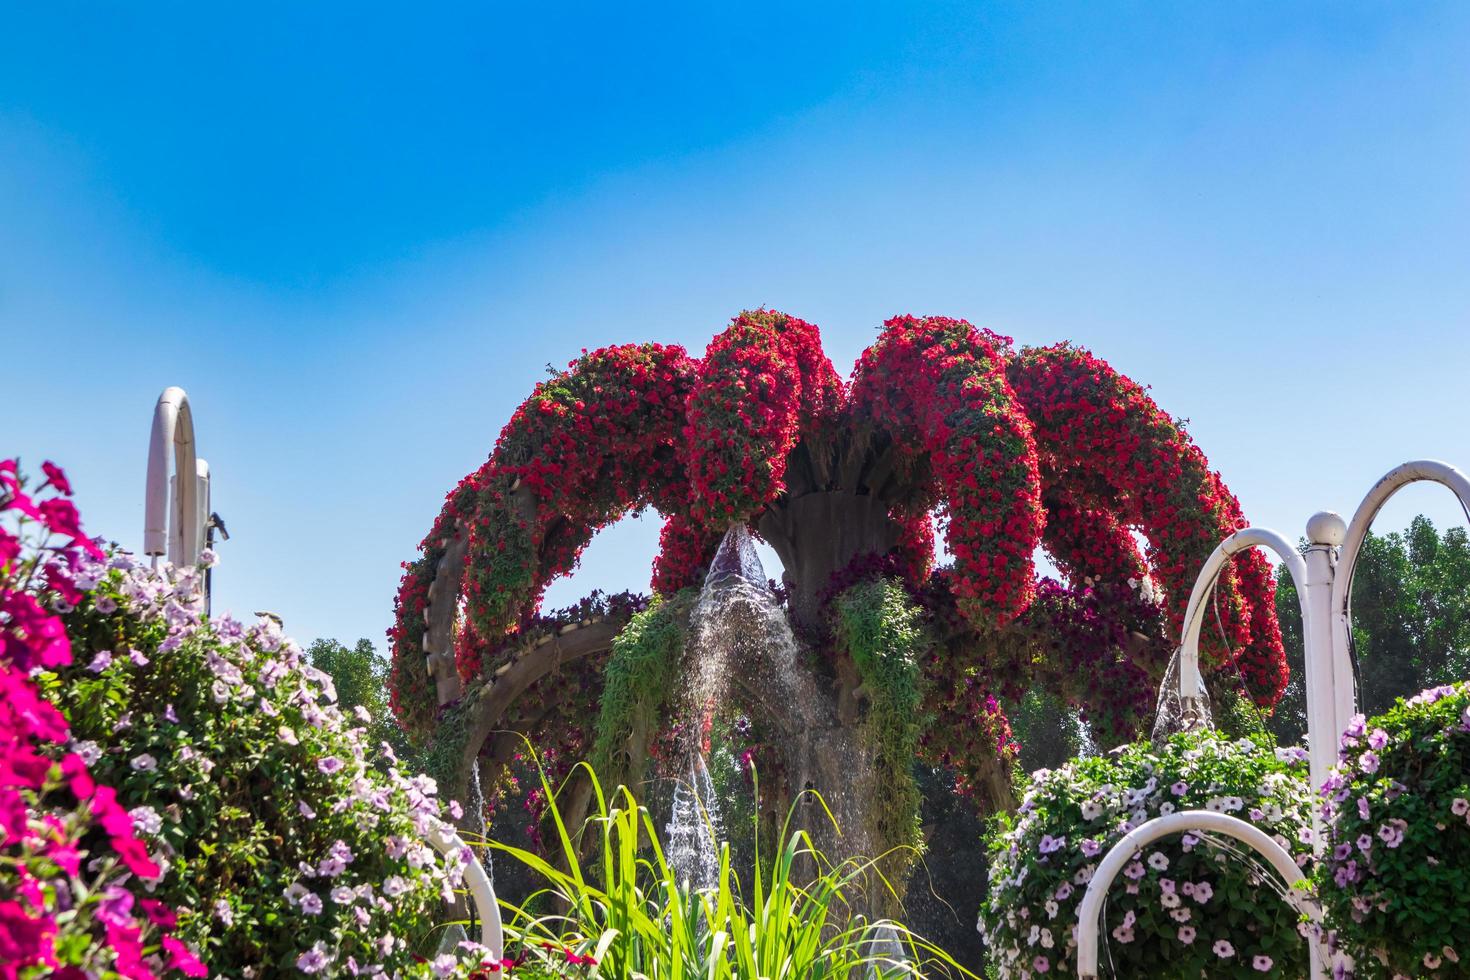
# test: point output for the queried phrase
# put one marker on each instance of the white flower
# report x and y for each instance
(144, 762)
(146, 820)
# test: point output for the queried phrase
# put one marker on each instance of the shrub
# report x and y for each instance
(628, 913)
(1397, 812)
(283, 850)
(1186, 908)
(74, 878)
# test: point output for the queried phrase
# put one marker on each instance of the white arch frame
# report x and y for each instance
(482, 891)
(1414, 471)
(1090, 910)
(1320, 666)
(175, 514)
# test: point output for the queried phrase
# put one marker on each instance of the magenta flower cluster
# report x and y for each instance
(73, 874)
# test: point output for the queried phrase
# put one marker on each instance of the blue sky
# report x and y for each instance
(356, 234)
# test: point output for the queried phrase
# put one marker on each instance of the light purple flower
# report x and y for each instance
(1223, 949)
(1368, 762)
(144, 763)
(1186, 934)
(1179, 788)
(100, 662)
(1041, 964)
(1090, 848)
(330, 765)
(1262, 964)
(311, 903)
(1377, 738)
(313, 960)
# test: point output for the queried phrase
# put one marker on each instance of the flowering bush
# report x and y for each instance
(761, 382)
(1397, 812)
(1127, 457)
(276, 846)
(1183, 909)
(941, 388)
(74, 878)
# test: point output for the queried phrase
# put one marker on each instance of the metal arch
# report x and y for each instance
(1122, 852)
(172, 521)
(1392, 482)
(482, 891)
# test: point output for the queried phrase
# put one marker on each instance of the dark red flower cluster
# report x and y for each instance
(940, 388)
(1118, 452)
(685, 550)
(590, 444)
(762, 382)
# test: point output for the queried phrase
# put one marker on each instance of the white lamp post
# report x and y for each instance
(1323, 579)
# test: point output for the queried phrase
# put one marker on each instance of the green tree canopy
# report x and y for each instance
(360, 674)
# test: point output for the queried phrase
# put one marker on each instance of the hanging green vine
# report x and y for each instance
(883, 631)
(637, 686)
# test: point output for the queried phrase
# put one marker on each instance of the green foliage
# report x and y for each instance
(625, 908)
(1173, 905)
(279, 840)
(1411, 620)
(637, 685)
(1395, 884)
(360, 675)
(882, 630)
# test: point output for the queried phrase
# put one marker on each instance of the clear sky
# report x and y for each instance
(356, 234)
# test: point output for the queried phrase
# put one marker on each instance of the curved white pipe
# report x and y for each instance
(171, 519)
(1342, 584)
(1321, 678)
(1191, 682)
(1122, 852)
(492, 935)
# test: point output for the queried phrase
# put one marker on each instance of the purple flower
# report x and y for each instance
(313, 960)
(1223, 949)
(1179, 788)
(1186, 934)
(1362, 808)
(100, 662)
(1377, 738)
(1262, 964)
(1368, 762)
(332, 764)
(1090, 848)
(311, 903)
(1041, 964)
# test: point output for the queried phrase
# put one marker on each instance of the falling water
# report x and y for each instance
(694, 828)
(736, 625)
(885, 951)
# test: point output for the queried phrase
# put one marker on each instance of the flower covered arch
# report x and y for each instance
(1010, 449)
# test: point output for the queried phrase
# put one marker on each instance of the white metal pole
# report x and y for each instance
(1321, 680)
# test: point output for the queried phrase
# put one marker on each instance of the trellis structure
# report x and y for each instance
(1012, 450)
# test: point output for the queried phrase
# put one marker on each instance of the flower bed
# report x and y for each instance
(1397, 811)
(1183, 909)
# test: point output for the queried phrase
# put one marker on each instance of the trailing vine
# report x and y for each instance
(882, 630)
(638, 685)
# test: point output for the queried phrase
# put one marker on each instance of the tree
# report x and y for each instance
(1411, 621)
(360, 675)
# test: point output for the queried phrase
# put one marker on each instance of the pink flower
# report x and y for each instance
(1223, 949)
(1262, 964)
(56, 478)
(1186, 934)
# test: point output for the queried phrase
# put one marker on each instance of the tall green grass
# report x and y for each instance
(623, 905)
